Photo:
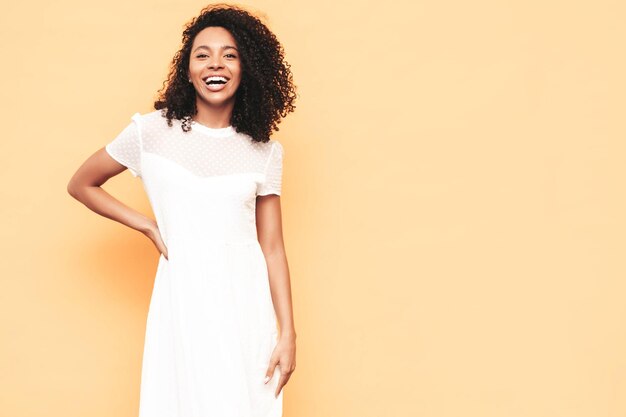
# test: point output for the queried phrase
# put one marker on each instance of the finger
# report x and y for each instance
(270, 372)
(159, 248)
(281, 384)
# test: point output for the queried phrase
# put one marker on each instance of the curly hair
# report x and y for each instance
(266, 92)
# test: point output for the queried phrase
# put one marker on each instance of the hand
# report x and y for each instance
(153, 233)
(284, 354)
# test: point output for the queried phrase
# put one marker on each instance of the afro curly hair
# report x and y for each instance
(266, 92)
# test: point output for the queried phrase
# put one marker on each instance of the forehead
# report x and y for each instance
(214, 36)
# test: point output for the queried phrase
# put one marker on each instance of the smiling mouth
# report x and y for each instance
(215, 79)
(215, 83)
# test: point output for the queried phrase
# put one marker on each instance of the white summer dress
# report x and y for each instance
(211, 326)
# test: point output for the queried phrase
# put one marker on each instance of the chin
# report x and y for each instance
(218, 101)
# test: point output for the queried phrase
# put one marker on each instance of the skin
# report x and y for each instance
(214, 53)
(214, 110)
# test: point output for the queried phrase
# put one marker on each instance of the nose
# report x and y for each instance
(214, 62)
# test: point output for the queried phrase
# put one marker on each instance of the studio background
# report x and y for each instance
(453, 205)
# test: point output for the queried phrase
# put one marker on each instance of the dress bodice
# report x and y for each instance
(202, 184)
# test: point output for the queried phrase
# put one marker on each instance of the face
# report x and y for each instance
(214, 53)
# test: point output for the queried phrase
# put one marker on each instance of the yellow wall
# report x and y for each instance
(453, 206)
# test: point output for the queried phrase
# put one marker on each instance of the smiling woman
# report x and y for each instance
(229, 42)
(213, 178)
(214, 66)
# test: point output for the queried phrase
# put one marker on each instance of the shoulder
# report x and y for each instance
(154, 125)
(277, 147)
(259, 144)
(270, 145)
(270, 148)
(151, 118)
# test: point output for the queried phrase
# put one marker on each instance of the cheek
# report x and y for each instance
(236, 70)
(195, 67)
(236, 78)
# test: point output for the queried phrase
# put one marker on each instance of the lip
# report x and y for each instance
(215, 75)
(216, 87)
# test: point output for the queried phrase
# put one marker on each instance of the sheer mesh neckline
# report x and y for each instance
(201, 151)
(212, 131)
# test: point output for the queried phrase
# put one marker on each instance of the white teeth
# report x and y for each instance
(215, 78)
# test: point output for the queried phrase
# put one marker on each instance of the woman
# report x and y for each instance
(213, 178)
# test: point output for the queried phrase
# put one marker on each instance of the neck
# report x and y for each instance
(214, 116)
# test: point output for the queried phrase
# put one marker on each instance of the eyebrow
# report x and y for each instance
(222, 47)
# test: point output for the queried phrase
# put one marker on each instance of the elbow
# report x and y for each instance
(73, 189)
(273, 248)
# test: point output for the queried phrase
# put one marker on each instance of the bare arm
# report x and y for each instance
(85, 186)
(270, 234)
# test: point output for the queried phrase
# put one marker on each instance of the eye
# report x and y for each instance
(201, 55)
(234, 56)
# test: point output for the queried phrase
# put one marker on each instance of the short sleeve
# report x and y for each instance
(126, 147)
(273, 171)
